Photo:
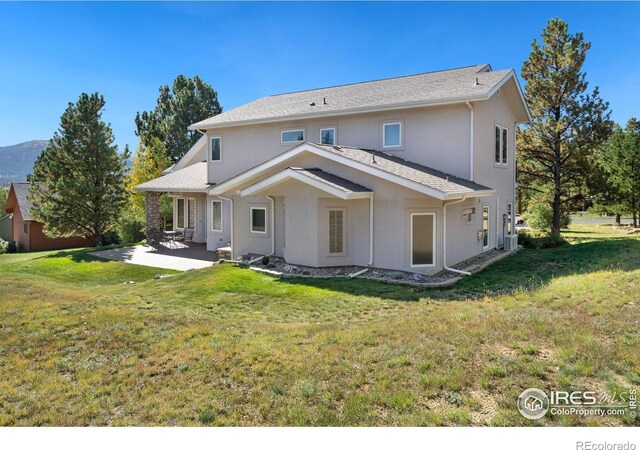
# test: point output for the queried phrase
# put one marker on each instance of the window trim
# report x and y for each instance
(503, 159)
(289, 130)
(384, 134)
(335, 135)
(486, 208)
(221, 230)
(344, 231)
(266, 226)
(211, 160)
(433, 215)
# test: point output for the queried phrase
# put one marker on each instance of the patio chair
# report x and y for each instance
(188, 235)
(178, 236)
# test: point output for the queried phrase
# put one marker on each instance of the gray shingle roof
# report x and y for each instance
(22, 190)
(432, 178)
(333, 180)
(192, 178)
(425, 88)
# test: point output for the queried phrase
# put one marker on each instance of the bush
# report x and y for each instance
(111, 238)
(265, 260)
(130, 229)
(539, 216)
(546, 241)
(3, 246)
(12, 247)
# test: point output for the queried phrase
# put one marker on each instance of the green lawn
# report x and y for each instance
(81, 345)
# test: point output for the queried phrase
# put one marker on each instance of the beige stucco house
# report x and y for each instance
(412, 173)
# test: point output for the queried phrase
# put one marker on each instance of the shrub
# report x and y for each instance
(528, 241)
(130, 228)
(111, 238)
(3, 246)
(12, 247)
(539, 216)
(265, 260)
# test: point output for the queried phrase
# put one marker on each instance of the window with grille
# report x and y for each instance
(337, 232)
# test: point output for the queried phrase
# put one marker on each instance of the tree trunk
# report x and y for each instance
(618, 219)
(555, 227)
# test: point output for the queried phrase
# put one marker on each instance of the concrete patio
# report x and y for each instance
(171, 255)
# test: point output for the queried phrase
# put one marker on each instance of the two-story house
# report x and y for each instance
(413, 173)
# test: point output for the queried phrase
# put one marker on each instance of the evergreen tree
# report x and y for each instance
(78, 180)
(190, 100)
(4, 194)
(567, 122)
(620, 162)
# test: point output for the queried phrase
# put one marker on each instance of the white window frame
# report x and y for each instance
(290, 130)
(335, 135)
(503, 159)
(217, 161)
(195, 213)
(266, 220)
(400, 132)
(221, 230)
(344, 232)
(488, 209)
(433, 215)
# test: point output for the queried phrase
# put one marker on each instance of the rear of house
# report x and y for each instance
(413, 173)
(28, 232)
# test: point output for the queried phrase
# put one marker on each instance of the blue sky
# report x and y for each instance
(51, 52)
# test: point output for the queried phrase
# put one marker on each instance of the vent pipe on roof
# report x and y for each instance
(373, 158)
(324, 100)
(477, 83)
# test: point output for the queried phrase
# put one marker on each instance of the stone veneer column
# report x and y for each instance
(152, 204)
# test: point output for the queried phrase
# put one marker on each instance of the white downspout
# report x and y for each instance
(470, 106)
(273, 225)
(371, 230)
(444, 237)
(230, 200)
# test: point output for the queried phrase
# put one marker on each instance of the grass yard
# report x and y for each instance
(227, 346)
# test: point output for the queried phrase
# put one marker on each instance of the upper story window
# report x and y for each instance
(287, 136)
(328, 136)
(216, 148)
(392, 135)
(501, 148)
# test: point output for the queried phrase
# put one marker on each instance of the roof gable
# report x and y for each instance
(413, 176)
(18, 193)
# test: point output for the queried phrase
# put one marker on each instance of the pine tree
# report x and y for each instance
(77, 185)
(190, 100)
(620, 161)
(567, 122)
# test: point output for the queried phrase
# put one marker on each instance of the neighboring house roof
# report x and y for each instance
(431, 88)
(20, 191)
(414, 176)
(192, 178)
(318, 178)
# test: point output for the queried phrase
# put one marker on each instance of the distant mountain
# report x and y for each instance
(16, 161)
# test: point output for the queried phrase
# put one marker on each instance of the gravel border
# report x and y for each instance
(279, 268)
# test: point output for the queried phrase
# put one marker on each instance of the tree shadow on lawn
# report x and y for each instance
(526, 270)
(82, 254)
